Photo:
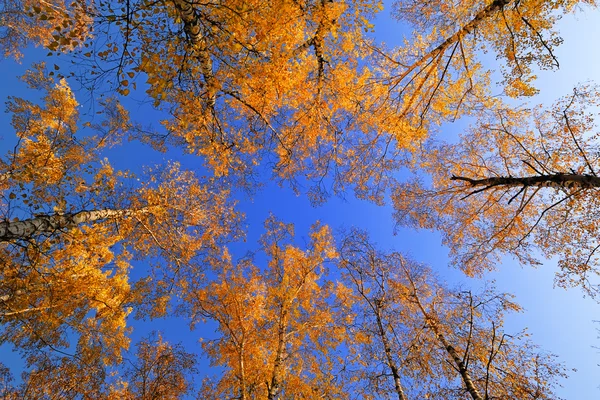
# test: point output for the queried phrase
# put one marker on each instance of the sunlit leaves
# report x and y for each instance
(274, 322)
(56, 25)
(294, 91)
(520, 179)
(416, 337)
(70, 231)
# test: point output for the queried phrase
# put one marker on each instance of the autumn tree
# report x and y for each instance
(7, 389)
(518, 180)
(275, 331)
(339, 108)
(159, 370)
(436, 74)
(417, 338)
(54, 24)
(71, 228)
(210, 72)
(375, 350)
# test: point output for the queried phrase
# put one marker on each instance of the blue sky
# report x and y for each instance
(560, 321)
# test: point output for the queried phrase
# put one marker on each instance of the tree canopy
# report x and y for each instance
(306, 94)
(518, 179)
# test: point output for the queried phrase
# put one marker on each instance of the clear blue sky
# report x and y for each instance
(560, 321)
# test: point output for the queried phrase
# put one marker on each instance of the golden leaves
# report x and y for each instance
(267, 315)
(519, 179)
(52, 24)
(418, 333)
(296, 86)
(66, 284)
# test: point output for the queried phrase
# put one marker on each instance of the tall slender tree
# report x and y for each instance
(276, 329)
(518, 180)
(71, 228)
(375, 348)
(430, 341)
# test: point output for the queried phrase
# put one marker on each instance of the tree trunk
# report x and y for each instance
(388, 354)
(48, 224)
(432, 323)
(465, 30)
(242, 371)
(566, 181)
(273, 387)
(462, 369)
(24, 311)
(460, 365)
(193, 30)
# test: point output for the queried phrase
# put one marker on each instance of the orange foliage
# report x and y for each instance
(275, 323)
(54, 24)
(520, 179)
(69, 232)
(417, 338)
(298, 87)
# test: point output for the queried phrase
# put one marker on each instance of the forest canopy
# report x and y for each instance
(98, 240)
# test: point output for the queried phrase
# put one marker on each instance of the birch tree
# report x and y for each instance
(519, 180)
(275, 331)
(428, 340)
(71, 229)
